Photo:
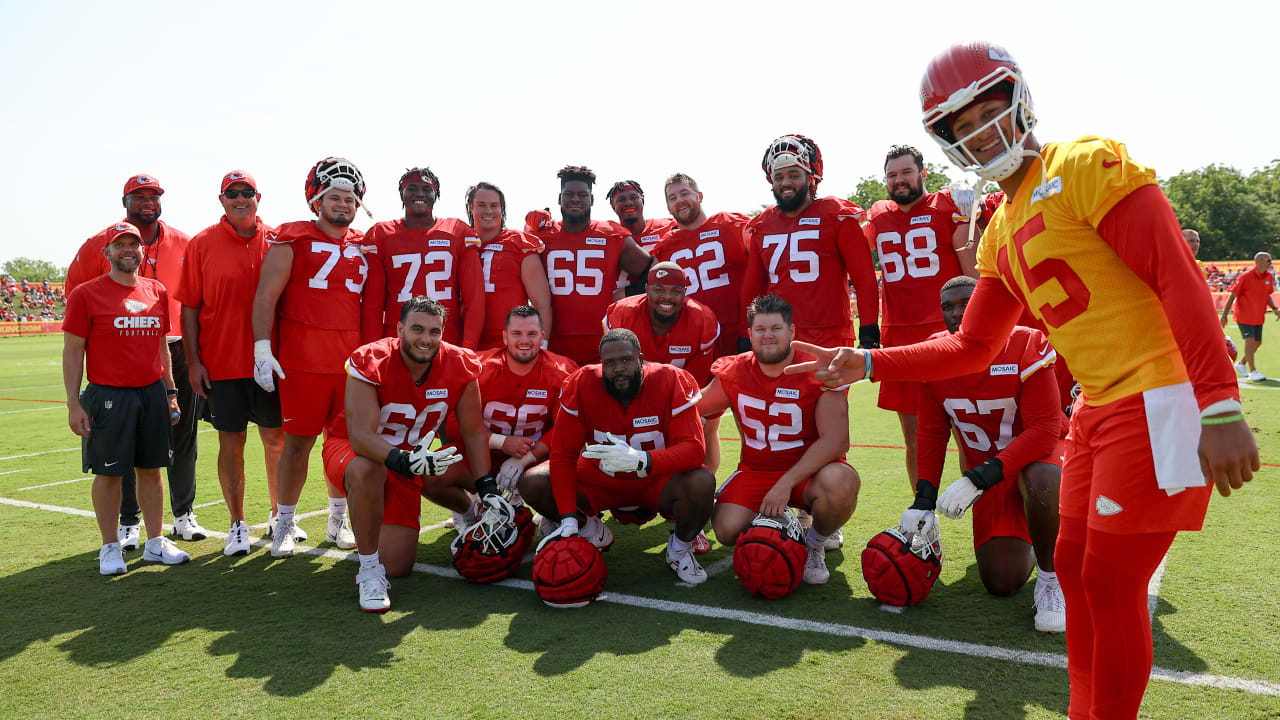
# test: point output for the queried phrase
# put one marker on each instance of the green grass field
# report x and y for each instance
(255, 637)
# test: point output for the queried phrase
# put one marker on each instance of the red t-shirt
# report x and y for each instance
(123, 327)
(806, 260)
(661, 419)
(410, 409)
(161, 260)
(219, 278)
(776, 416)
(689, 344)
(582, 269)
(439, 262)
(916, 256)
(1010, 409)
(1252, 291)
(522, 405)
(319, 309)
(714, 258)
(500, 261)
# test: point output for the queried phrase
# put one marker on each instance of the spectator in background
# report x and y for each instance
(1253, 289)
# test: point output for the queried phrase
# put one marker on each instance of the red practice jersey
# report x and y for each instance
(714, 258)
(655, 230)
(319, 309)
(582, 269)
(522, 405)
(661, 419)
(689, 344)
(776, 417)
(995, 410)
(161, 260)
(123, 327)
(916, 256)
(410, 409)
(440, 262)
(808, 261)
(500, 262)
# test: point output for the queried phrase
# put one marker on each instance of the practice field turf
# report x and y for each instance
(256, 637)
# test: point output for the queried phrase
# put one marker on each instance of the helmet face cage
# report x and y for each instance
(787, 524)
(333, 174)
(796, 149)
(918, 545)
(937, 123)
(495, 531)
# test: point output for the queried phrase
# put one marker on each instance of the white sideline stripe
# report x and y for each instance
(208, 504)
(10, 472)
(1025, 657)
(719, 566)
(60, 482)
(70, 449)
(1153, 586)
(892, 609)
(429, 528)
(51, 407)
(263, 526)
(29, 387)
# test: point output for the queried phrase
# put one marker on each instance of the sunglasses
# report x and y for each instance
(232, 194)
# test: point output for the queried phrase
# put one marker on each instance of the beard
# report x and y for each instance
(908, 196)
(630, 391)
(337, 220)
(126, 263)
(576, 218)
(772, 356)
(795, 202)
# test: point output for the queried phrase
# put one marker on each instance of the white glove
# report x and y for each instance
(921, 522)
(618, 456)
(423, 461)
(958, 497)
(568, 527)
(509, 473)
(264, 364)
(964, 197)
(498, 510)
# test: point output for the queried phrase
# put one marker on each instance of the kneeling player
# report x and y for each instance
(795, 433)
(399, 391)
(646, 451)
(1011, 420)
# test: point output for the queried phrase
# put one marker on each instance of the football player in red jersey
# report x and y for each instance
(512, 271)
(921, 239)
(583, 260)
(315, 272)
(803, 248)
(421, 254)
(626, 197)
(1010, 420)
(713, 253)
(1087, 242)
(795, 433)
(399, 391)
(643, 449)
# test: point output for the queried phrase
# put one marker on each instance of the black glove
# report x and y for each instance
(987, 474)
(869, 336)
(398, 461)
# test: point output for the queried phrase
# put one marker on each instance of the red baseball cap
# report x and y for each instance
(122, 228)
(236, 176)
(668, 273)
(137, 182)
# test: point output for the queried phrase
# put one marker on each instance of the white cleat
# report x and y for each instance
(1255, 376)
(129, 536)
(299, 535)
(834, 541)
(238, 541)
(685, 566)
(1242, 370)
(815, 568)
(186, 527)
(598, 533)
(374, 587)
(1051, 608)
(283, 543)
(111, 560)
(162, 550)
(339, 533)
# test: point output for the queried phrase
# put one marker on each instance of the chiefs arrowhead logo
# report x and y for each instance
(121, 227)
(134, 306)
(660, 274)
(1107, 506)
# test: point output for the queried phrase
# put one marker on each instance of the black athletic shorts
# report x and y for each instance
(128, 427)
(233, 404)
(1250, 331)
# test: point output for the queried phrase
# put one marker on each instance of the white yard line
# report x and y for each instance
(720, 566)
(29, 387)
(429, 528)
(208, 504)
(1153, 586)
(70, 449)
(60, 482)
(10, 472)
(892, 609)
(924, 642)
(39, 409)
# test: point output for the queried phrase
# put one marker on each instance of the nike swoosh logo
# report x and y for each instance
(109, 464)
(1110, 163)
(1045, 350)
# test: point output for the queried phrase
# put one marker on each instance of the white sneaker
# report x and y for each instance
(161, 549)
(299, 534)
(128, 536)
(283, 542)
(835, 540)
(1243, 370)
(238, 542)
(598, 533)
(1051, 607)
(374, 586)
(815, 568)
(1255, 376)
(685, 566)
(111, 560)
(186, 527)
(339, 533)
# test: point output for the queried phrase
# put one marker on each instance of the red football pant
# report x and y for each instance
(1104, 579)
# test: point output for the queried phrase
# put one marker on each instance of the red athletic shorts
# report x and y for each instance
(310, 401)
(904, 396)
(402, 496)
(748, 487)
(1110, 478)
(830, 337)
(602, 492)
(1000, 512)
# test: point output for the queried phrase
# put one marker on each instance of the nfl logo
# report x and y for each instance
(106, 405)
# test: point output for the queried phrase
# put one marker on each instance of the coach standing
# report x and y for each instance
(162, 250)
(1252, 288)
(117, 322)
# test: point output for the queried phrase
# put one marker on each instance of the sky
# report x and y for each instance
(510, 92)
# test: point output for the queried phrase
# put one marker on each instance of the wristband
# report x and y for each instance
(171, 391)
(1230, 405)
(926, 496)
(496, 440)
(986, 475)
(398, 461)
(486, 485)
(1225, 420)
(866, 360)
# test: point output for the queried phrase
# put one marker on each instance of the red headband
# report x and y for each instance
(419, 177)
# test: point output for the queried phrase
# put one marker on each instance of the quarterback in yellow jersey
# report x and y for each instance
(1088, 244)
